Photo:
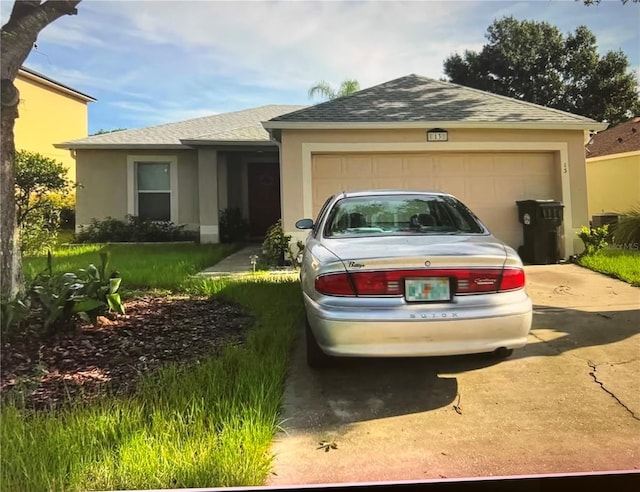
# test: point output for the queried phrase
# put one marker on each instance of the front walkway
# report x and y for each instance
(238, 264)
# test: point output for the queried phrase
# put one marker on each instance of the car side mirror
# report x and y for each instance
(304, 224)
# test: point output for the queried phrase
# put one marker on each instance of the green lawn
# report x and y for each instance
(146, 266)
(65, 236)
(622, 264)
(206, 425)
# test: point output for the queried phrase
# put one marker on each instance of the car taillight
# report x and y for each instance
(334, 284)
(512, 279)
(377, 283)
(391, 282)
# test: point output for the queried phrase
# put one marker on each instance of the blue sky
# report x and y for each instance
(151, 61)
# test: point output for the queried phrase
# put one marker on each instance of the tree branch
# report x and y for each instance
(18, 35)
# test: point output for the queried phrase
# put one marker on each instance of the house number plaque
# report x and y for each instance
(437, 135)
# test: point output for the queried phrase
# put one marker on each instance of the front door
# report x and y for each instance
(264, 196)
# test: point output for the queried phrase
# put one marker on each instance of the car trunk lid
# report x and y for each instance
(419, 251)
(433, 270)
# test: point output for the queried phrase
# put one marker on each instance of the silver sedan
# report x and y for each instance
(403, 273)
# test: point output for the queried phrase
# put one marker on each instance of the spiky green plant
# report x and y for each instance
(627, 230)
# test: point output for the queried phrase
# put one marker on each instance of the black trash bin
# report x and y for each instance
(541, 221)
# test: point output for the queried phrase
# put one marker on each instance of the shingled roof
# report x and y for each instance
(239, 127)
(619, 139)
(415, 99)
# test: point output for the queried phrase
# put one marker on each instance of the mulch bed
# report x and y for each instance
(85, 361)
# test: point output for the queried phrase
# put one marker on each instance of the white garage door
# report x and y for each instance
(488, 183)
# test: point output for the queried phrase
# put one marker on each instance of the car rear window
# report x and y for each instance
(383, 215)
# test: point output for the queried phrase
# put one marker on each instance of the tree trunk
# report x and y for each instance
(18, 35)
(10, 261)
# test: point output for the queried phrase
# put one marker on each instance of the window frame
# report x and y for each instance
(132, 182)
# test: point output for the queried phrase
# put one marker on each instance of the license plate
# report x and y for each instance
(427, 289)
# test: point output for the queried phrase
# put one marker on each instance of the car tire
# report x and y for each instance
(502, 353)
(316, 358)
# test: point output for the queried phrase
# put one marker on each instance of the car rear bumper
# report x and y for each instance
(421, 330)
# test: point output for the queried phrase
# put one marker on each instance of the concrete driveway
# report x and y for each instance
(567, 402)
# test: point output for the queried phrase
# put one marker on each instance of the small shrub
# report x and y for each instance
(39, 231)
(295, 257)
(277, 249)
(60, 296)
(594, 239)
(627, 230)
(41, 192)
(13, 312)
(134, 229)
(89, 293)
(275, 245)
(66, 204)
(233, 228)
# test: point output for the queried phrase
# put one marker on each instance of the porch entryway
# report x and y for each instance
(264, 197)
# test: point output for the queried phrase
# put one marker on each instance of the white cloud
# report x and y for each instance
(71, 36)
(293, 44)
(154, 114)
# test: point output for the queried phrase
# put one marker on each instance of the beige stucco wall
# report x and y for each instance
(294, 142)
(188, 189)
(102, 175)
(613, 183)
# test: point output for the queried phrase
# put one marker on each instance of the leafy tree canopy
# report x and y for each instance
(535, 62)
(325, 91)
(102, 131)
(36, 176)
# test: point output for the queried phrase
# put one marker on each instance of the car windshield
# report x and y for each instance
(384, 215)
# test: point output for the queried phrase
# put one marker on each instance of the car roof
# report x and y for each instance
(346, 194)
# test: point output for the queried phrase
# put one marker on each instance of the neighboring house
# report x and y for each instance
(412, 132)
(613, 169)
(49, 112)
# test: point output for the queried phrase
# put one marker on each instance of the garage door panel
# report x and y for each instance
(537, 164)
(498, 217)
(390, 183)
(358, 167)
(488, 183)
(539, 187)
(511, 187)
(321, 189)
(480, 163)
(327, 166)
(455, 185)
(481, 190)
(507, 165)
(387, 166)
(451, 165)
(417, 166)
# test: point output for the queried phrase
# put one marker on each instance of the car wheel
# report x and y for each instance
(502, 353)
(316, 358)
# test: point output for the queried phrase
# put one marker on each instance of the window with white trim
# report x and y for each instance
(153, 190)
(152, 187)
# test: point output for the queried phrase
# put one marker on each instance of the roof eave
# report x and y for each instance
(235, 143)
(46, 81)
(619, 155)
(374, 125)
(118, 146)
